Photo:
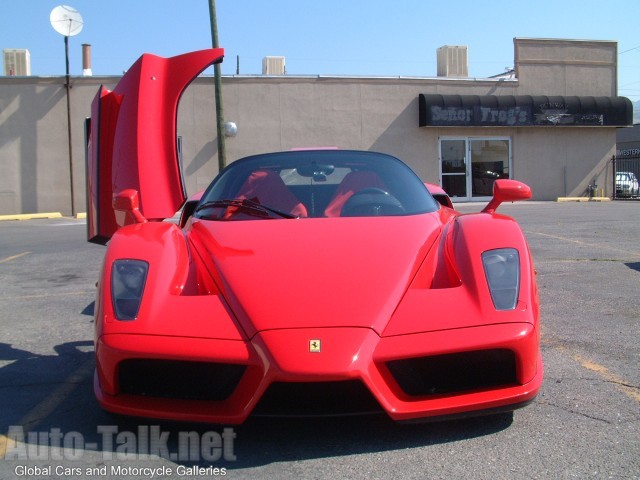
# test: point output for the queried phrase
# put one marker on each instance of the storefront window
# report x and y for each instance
(489, 161)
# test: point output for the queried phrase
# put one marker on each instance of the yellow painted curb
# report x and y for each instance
(583, 199)
(81, 215)
(31, 216)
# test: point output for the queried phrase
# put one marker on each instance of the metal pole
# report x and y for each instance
(68, 87)
(613, 167)
(222, 154)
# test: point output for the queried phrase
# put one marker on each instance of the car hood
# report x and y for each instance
(326, 272)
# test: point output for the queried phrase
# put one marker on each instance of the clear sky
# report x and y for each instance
(339, 37)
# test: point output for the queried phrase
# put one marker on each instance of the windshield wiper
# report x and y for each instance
(247, 206)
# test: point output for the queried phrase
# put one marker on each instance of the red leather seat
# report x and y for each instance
(267, 188)
(352, 183)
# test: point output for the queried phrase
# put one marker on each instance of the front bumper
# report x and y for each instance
(332, 357)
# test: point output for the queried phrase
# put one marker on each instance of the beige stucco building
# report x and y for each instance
(550, 123)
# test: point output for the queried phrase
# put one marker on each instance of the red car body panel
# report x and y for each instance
(439, 194)
(133, 142)
(396, 304)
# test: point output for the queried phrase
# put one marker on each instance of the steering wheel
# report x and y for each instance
(372, 202)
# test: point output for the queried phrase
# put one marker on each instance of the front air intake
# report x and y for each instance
(455, 373)
(179, 379)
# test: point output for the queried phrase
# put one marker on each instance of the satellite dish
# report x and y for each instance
(66, 20)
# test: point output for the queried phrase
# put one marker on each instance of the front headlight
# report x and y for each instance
(127, 285)
(502, 270)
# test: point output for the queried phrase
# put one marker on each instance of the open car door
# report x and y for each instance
(132, 141)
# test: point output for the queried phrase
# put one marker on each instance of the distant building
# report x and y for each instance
(628, 141)
(550, 122)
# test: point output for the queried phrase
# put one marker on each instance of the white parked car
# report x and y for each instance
(627, 184)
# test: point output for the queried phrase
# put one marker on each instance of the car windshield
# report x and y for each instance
(315, 184)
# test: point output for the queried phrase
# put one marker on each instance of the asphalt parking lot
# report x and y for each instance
(584, 424)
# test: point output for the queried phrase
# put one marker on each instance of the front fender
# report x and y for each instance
(180, 298)
(478, 233)
(443, 305)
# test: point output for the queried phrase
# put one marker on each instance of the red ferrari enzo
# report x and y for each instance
(308, 282)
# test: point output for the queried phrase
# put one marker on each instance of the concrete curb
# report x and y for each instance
(36, 216)
(583, 199)
(31, 216)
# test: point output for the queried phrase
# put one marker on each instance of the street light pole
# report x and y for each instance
(222, 155)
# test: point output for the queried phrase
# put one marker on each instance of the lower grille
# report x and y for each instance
(179, 379)
(455, 373)
(349, 397)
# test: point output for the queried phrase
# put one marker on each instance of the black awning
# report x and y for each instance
(523, 111)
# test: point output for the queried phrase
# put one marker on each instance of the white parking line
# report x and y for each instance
(13, 257)
(64, 224)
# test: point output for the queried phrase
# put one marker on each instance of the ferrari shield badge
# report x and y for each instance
(314, 346)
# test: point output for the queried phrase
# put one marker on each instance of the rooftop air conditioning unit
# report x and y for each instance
(16, 62)
(452, 61)
(273, 66)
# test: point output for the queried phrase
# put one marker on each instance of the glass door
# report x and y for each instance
(469, 166)
(453, 167)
